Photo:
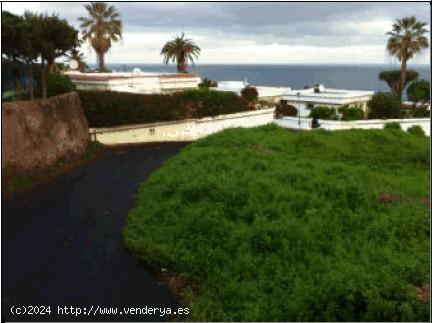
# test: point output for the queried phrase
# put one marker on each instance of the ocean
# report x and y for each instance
(350, 77)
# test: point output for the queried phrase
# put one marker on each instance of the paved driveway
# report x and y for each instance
(61, 241)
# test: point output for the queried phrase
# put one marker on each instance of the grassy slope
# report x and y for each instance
(274, 225)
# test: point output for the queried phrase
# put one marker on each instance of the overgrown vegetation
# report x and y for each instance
(384, 106)
(270, 225)
(323, 112)
(58, 84)
(349, 113)
(107, 109)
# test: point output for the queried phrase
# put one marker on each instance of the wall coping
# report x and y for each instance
(196, 120)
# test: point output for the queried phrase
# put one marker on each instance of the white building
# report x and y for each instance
(135, 82)
(268, 93)
(304, 100)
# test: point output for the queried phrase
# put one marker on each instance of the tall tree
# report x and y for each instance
(407, 38)
(101, 28)
(180, 50)
(57, 37)
(12, 33)
(393, 77)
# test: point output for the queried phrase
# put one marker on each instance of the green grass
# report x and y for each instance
(280, 226)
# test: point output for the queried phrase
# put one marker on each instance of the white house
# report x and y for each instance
(304, 100)
(135, 82)
(268, 93)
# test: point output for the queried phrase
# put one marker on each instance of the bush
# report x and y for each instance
(419, 91)
(351, 113)
(324, 113)
(392, 125)
(420, 112)
(206, 83)
(250, 94)
(300, 235)
(416, 130)
(58, 84)
(108, 109)
(283, 109)
(384, 106)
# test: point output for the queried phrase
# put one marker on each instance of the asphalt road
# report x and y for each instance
(62, 243)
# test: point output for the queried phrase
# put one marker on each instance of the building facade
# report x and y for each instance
(135, 82)
(306, 99)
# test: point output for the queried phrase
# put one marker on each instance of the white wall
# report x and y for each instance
(292, 123)
(185, 130)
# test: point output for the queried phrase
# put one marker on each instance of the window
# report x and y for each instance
(310, 106)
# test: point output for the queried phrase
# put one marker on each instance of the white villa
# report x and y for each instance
(268, 93)
(134, 82)
(304, 100)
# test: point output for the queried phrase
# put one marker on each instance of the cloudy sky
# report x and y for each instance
(248, 32)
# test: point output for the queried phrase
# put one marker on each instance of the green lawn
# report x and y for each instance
(276, 225)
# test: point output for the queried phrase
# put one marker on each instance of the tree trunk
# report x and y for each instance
(43, 80)
(181, 66)
(403, 77)
(30, 77)
(101, 60)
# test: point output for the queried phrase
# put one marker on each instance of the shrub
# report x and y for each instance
(324, 113)
(420, 112)
(419, 91)
(416, 130)
(384, 106)
(250, 94)
(392, 125)
(351, 113)
(283, 109)
(107, 109)
(58, 84)
(315, 124)
(206, 83)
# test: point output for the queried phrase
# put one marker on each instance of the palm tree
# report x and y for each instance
(180, 50)
(102, 27)
(407, 38)
(75, 55)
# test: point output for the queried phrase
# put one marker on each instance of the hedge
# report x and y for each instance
(108, 109)
(324, 113)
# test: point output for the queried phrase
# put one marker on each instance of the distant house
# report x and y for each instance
(268, 93)
(135, 82)
(304, 100)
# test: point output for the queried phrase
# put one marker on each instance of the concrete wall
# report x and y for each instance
(293, 123)
(40, 134)
(185, 130)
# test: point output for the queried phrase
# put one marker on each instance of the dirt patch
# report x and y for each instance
(423, 293)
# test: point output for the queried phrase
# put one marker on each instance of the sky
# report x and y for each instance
(248, 32)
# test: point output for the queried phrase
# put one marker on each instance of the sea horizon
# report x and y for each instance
(296, 76)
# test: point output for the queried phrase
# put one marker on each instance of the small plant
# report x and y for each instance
(392, 125)
(324, 113)
(250, 94)
(283, 109)
(416, 130)
(206, 83)
(59, 84)
(351, 113)
(384, 106)
(315, 124)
